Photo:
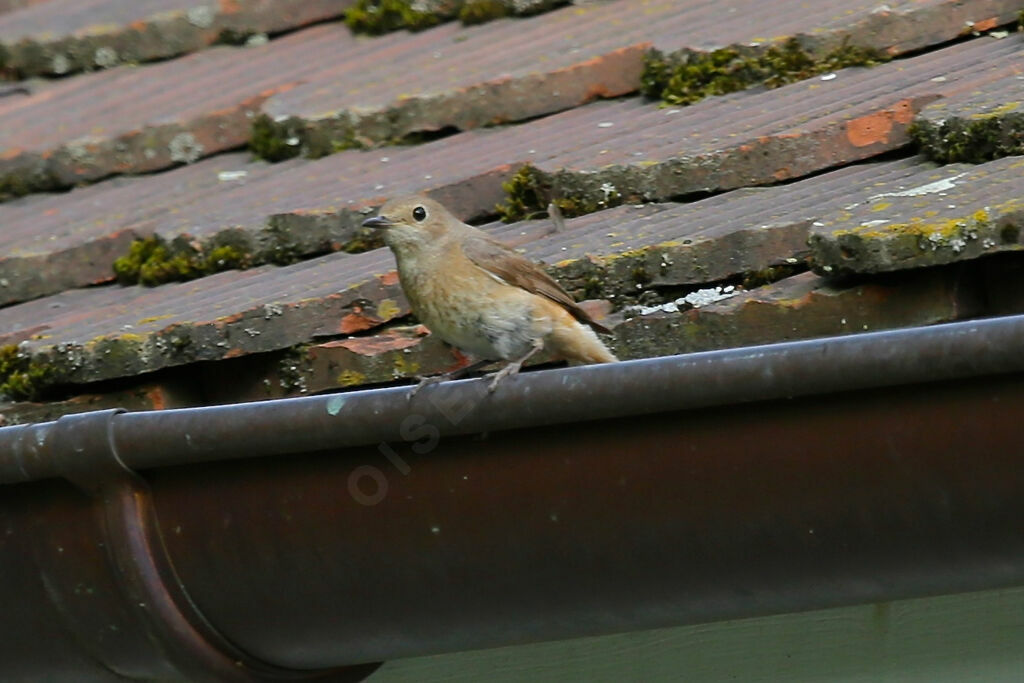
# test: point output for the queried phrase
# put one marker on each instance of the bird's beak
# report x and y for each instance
(377, 222)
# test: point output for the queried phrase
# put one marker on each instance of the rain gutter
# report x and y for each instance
(306, 539)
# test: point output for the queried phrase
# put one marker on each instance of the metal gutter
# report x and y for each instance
(361, 527)
(175, 437)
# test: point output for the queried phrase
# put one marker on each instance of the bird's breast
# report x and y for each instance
(469, 310)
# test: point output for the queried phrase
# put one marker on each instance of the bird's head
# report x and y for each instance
(411, 224)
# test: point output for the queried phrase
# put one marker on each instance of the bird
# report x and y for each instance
(481, 296)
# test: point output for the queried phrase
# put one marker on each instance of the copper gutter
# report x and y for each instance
(281, 540)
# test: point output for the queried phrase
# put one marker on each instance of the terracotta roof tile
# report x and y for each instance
(11, 5)
(799, 307)
(863, 218)
(146, 118)
(65, 36)
(802, 307)
(977, 125)
(953, 213)
(631, 146)
(111, 331)
(575, 54)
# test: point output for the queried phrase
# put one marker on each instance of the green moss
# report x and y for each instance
(656, 73)
(122, 354)
(1009, 233)
(270, 140)
(574, 206)
(974, 140)
(694, 76)
(152, 261)
(846, 56)
(687, 77)
(127, 267)
(280, 246)
(364, 240)
(528, 193)
(640, 276)
(482, 11)
(593, 288)
(13, 185)
(22, 379)
(149, 261)
(226, 257)
(766, 276)
(163, 267)
(375, 17)
(345, 142)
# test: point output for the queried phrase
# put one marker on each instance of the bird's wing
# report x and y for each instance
(515, 270)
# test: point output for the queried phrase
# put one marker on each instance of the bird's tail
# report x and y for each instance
(577, 342)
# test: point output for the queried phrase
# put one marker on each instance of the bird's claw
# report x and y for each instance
(425, 381)
(507, 371)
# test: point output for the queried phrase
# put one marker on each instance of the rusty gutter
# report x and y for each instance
(283, 540)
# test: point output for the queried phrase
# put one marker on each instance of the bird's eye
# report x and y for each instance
(419, 213)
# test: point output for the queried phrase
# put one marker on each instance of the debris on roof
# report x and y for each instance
(799, 307)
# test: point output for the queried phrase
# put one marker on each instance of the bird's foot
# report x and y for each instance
(513, 367)
(454, 374)
(426, 381)
(507, 371)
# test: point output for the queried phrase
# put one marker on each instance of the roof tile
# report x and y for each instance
(65, 36)
(136, 119)
(801, 307)
(953, 213)
(979, 125)
(11, 5)
(631, 148)
(573, 55)
(109, 332)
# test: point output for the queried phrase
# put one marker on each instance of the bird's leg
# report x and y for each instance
(513, 367)
(454, 374)
(557, 220)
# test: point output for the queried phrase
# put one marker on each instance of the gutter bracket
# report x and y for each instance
(146, 625)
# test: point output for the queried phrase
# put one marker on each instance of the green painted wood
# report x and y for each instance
(967, 638)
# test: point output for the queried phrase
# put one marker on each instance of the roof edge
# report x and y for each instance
(149, 439)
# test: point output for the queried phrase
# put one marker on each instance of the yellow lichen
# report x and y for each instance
(350, 378)
(1001, 110)
(404, 367)
(152, 319)
(388, 309)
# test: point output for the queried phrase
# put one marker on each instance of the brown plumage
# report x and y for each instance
(513, 268)
(480, 296)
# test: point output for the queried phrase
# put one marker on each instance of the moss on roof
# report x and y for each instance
(689, 76)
